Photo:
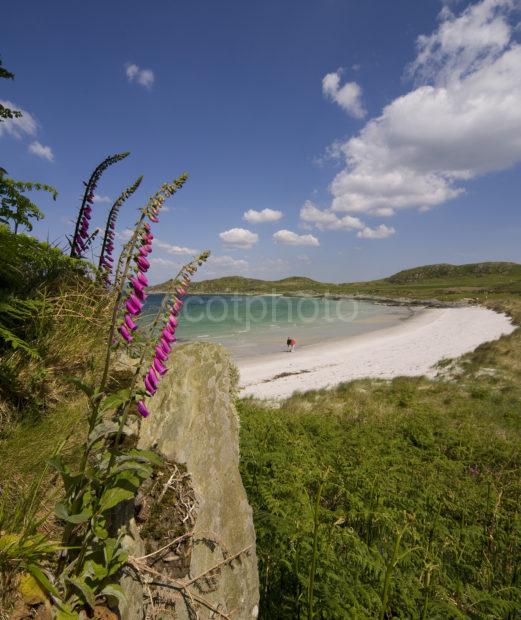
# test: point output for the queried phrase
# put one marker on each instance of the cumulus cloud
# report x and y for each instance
(45, 152)
(287, 237)
(259, 217)
(125, 235)
(228, 262)
(327, 219)
(462, 119)
(102, 199)
(144, 77)
(17, 127)
(348, 96)
(164, 262)
(381, 232)
(173, 249)
(239, 238)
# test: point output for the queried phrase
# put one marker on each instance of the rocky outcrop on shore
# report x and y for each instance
(193, 537)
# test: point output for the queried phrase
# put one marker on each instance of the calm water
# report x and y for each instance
(259, 325)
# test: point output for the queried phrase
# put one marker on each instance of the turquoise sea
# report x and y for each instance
(258, 325)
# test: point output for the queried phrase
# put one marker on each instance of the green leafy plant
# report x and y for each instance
(419, 515)
(111, 471)
(7, 113)
(15, 206)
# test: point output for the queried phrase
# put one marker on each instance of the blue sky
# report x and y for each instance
(380, 150)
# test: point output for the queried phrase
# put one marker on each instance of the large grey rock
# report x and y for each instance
(194, 425)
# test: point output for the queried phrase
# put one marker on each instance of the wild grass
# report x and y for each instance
(52, 316)
(420, 512)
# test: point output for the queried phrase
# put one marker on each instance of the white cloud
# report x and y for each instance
(259, 217)
(228, 262)
(239, 238)
(328, 220)
(16, 127)
(348, 96)
(173, 249)
(164, 262)
(125, 235)
(381, 232)
(45, 152)
(101, 199)
(287, 237)
(144, 77)
(461, 120)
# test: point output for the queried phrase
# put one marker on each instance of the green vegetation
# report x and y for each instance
(419, 514)
(443, 282)
(373, 500)
(46, 329)
(60, 357)
(15, 206)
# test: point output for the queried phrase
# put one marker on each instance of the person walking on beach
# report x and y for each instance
(290, 342)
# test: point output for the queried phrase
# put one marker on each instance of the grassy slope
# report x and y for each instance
(446, 282)
(440, 457)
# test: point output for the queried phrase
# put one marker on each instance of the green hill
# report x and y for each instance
(240, 284)
(444, 271)
(440, 281)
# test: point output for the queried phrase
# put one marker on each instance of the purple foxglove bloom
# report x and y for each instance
(87, 211)
(83, 233)
(158, 366)
(134, 299)
(124, 333)
(131, 308)
(170, 338)
(144, 251)
(153, 218)
(142, 278)
(165, 345)
(153, 377)
(161, 354)
(181, 291)
(143, 264)
(170, 328)
(142, 408)
(149, 387)
(129, 322)
(136, 283)
(173, 321)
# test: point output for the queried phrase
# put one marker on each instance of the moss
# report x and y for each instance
(167, 512)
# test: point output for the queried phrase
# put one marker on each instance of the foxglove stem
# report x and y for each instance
(88, 198)
(166, 190)
(107, 246)
(167, 336)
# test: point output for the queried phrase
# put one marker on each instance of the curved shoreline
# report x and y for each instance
(411, 348)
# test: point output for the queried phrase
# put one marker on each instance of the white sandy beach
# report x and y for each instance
(411, 348)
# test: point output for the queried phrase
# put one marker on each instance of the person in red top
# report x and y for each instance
(290, 342)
